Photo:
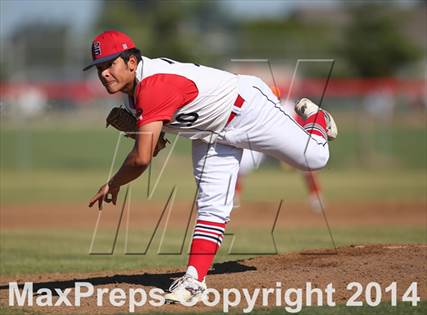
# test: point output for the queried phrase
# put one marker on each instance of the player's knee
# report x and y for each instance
(313, 161)
(317, 161)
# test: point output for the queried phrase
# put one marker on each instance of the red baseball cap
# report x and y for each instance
(108, 46)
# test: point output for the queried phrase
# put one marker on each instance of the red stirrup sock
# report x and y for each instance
(316, 124)
(207, 239)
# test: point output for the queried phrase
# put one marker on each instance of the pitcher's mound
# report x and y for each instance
(383, 264)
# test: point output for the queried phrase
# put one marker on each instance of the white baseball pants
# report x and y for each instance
(261, 125)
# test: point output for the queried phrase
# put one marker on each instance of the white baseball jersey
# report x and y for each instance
(186, 96)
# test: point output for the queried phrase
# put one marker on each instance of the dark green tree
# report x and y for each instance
(169, 28)
(374, 43)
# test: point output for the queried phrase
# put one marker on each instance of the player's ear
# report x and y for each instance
(132, 63)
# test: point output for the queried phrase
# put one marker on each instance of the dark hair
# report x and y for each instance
(131, 52)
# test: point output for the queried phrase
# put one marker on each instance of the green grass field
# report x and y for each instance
(34, 251)
(41, 187)
(50, 164)
(84, 148)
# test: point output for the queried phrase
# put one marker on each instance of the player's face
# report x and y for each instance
(116, 76)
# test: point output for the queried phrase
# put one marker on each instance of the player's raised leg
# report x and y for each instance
(263, 125)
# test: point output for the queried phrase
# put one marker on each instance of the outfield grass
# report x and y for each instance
(81, 148)
(32, 252)
(44, 187)
(48, 163)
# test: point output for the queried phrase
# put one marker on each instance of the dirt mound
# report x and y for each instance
(383, 264)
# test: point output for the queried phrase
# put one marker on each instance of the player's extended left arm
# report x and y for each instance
(135, 164)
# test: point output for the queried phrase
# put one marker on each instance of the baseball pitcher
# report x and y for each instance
(222, 113)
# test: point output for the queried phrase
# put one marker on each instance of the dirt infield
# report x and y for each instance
(384, 264)
(296, 214)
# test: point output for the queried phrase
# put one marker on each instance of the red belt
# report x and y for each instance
(238, 103)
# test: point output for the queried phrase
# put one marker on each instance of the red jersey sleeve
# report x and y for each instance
(158, 97)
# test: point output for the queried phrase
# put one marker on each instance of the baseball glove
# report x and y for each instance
(124, 121)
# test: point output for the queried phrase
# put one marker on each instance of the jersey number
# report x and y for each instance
(187, 119)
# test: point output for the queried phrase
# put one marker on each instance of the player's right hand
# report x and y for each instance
(105, 193)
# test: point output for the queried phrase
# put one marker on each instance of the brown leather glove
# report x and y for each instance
(124, 121)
